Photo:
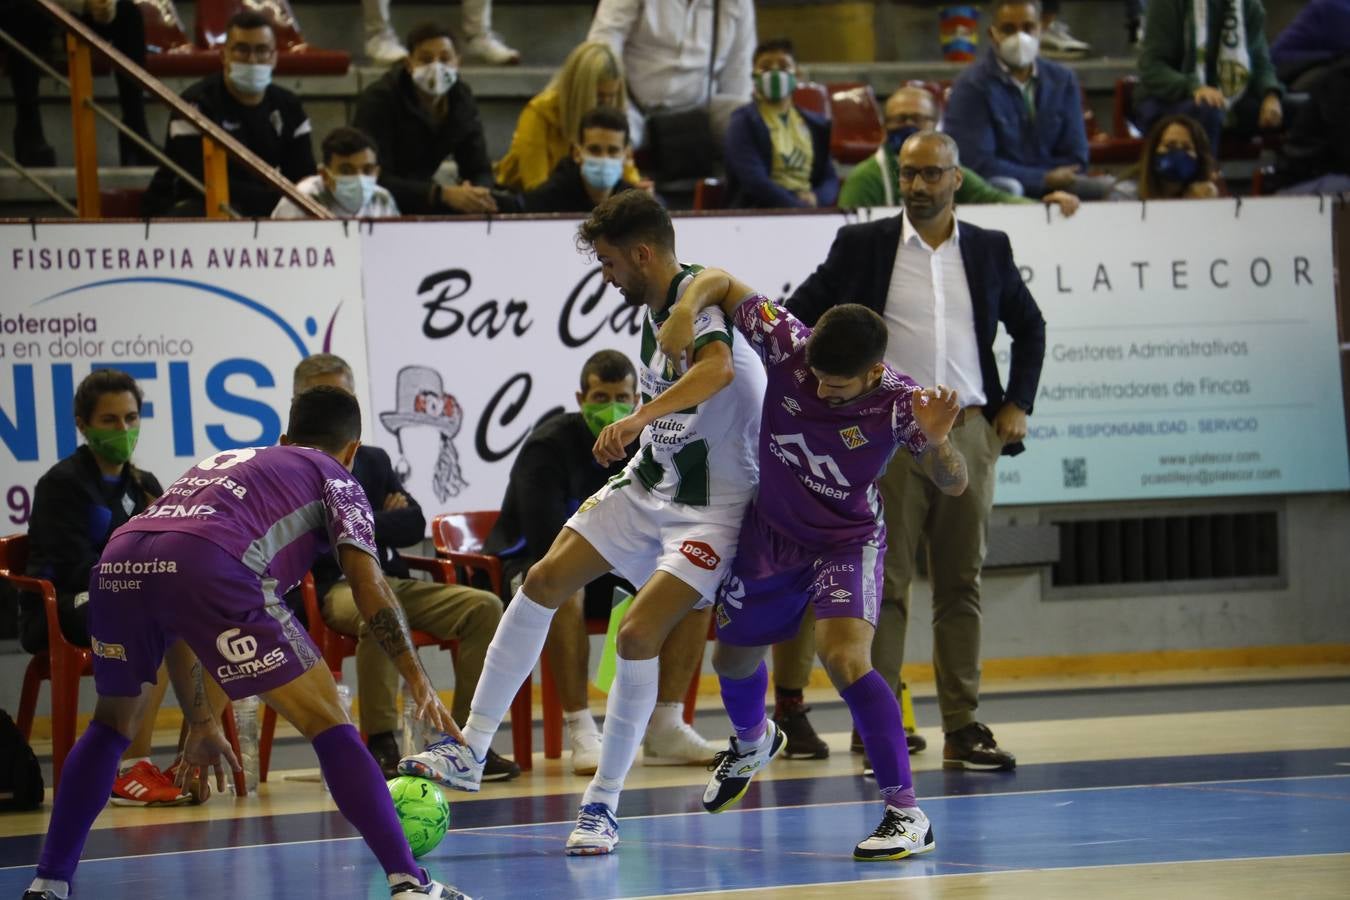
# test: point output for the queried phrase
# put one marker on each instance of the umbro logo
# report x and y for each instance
(841, 596)
(792, 406)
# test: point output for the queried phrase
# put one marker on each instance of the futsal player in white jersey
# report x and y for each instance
(669, 522)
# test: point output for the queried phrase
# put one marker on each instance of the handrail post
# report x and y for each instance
(83, 124)
(215, 175)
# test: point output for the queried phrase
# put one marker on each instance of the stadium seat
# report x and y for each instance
(857, 128)
(710, 193)
(120, 203)
(294, 56)
(813, 96)
(169, 52)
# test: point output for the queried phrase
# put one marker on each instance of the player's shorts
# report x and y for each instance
(152, 588)
(640, 534)
(774, 578)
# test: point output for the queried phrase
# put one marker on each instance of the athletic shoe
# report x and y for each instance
(802, 740)
(145, 785)
(585, 752)
(902, 832)
(596, 834)
(678, 746)
(385, 49)
(488, 48)
(974, 747)
(384, 748)
(733, 768)
(499, 768)
(400, 888)
(40, 895)
(1057, 43)
(446, 762)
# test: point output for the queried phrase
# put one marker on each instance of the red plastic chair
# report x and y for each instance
(294, 56)
(857, 127)
(710, 193)
(813, 96)
(168, 50)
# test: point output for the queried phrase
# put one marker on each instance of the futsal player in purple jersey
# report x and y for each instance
(197, 578)
(833, 416)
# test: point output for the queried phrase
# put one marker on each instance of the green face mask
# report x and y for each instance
(112, 443)
(775, 84)
(598, 415)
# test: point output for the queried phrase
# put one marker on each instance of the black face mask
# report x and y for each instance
(1177, 166)
(896, 138)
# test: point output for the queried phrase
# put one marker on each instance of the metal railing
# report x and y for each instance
(218, 146)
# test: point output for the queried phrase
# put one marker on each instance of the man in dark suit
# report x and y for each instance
(942, 288)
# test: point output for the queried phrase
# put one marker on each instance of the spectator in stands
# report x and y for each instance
(593, 172)
(1056, 41)
(77, 505)
(551, 476)
(1176, 165)
(448, 612)
(1318, 38)
(481, 43)
(419, 114)
(667, 52)
(262, 116)
(116, 21)
(347, 181)
(1186, 47)
(1018, 119)
(876, 180)
(547, 129)
(776, 154)
(1315, 155)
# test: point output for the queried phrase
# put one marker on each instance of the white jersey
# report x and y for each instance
(707, 455)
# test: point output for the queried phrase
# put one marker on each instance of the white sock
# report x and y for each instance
(744, 745)
(631, 699)
(666, 717)
(510, 658)
(59, 888)
(128, 764)
(580, 722)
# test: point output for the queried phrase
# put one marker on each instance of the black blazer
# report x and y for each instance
(858, 270)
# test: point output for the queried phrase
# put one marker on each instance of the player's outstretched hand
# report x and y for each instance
(205, 747)
(428, 709)
(677, 332)
(935, 411)
(610, 446)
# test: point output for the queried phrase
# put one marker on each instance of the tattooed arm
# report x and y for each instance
(205, 745)
(945, 465)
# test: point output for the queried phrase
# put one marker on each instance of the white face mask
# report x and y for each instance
(353, 191)
(435, 78)
(250, 78)
(1019, 50)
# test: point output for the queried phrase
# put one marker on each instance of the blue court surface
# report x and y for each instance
(786, 832)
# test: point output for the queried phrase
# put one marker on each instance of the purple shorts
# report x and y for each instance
(773, 579)
(151, 588)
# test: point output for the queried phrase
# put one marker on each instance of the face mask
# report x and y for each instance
(1176, 165)
(435, 78)
(601, 172)
(775, 84)
(896, 139)
(598, 415)
(1019, 50)
(353, 191)
(112, 444)
(250, 78)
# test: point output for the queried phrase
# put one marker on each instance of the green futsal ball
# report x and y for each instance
(423, 811)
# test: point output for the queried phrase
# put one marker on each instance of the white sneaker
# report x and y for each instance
(488, 48)
(678, 746)
(1057, 43)
(385, 49)
(446, 762)
(596, 834)
(902, 832)
(402, 888)
(585, 752)
(733, 768)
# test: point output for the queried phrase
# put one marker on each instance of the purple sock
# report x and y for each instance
(360, 793)
(744, 702)
(876, 713)
(86, 783)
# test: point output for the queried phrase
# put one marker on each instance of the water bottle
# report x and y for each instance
(415, 733)
(344, 695)
(246, 724)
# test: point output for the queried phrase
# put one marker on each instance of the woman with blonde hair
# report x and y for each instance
(591, 76)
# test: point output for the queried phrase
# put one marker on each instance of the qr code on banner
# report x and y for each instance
(1075, 472)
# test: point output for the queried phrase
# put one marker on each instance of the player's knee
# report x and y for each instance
(638, 640)
(845, 665)
(546, 585)
(734, 662)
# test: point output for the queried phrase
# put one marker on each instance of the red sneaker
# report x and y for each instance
(145, 785)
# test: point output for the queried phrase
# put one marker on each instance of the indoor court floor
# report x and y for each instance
(1209, 785)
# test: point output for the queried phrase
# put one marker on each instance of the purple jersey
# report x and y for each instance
(818, 464)
(272, 508)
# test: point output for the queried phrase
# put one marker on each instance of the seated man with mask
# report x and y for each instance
(346, 183)
(593, 172)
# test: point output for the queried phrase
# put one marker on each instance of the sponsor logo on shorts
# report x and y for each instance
(108, 651)
(138, 567)
(841, 595)
(723, 617)
(732, 591)
(792, 406)
(853, 437)
(800, 375)
(236, 647)
(701, 555)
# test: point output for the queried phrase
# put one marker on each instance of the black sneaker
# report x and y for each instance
(426, 889)
(498, 768)
(733, 768)
(40, 895)
(974, 747)
(384, 748)
(902, 832)
(802, 740)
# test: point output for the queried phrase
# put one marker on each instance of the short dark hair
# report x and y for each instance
(344, 141)
(607, 366)
(247, 20)
(100, 382)
(626, 218)
(606, 117)
(996, 5)
(847, 341)
(325, 418)
(428, 31)
(775, 45)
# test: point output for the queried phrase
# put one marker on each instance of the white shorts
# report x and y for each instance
(640, 534)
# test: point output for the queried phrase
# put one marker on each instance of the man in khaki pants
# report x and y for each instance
(943, 288)
(447, 611)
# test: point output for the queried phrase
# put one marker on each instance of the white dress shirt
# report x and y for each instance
(930, 321)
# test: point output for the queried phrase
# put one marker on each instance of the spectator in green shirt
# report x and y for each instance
(874, 181)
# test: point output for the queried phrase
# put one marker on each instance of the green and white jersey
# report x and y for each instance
(707, 455)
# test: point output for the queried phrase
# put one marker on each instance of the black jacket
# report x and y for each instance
(564, 191)
(278, 130)
(411, 146)
(858, 270)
